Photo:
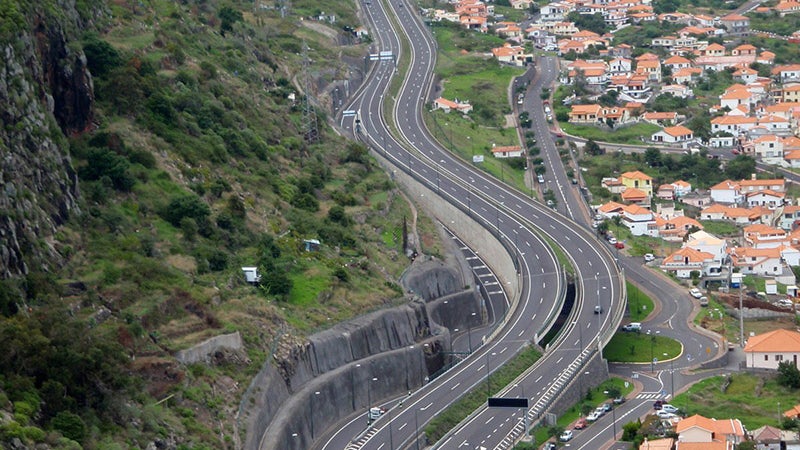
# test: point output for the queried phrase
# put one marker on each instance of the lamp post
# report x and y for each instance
(671, 375)
(353, 385)
(416, 428)
(369, 398)
(488, 383)
(652, 358)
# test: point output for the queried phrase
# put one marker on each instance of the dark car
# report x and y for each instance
(657, 405)
(619, 245)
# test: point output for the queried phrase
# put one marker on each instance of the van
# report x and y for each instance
(375, 413)
(540, 177)
(633, 326)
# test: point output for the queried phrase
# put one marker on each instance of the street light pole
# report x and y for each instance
(469, 331)
(488, 383)
(311, 411)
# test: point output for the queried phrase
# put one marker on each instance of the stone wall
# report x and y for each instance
(203, 351)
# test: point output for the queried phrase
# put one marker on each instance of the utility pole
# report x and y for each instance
(310, 129)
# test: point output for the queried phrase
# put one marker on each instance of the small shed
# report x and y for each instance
(311, 245)
(771, 287)
(251, 275)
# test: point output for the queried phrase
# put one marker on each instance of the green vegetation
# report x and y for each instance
(472, 400)
(641, 348)
(608, 390)
(753, 399)
(720, 228)
(199, 165)
(620, 135)
(639, 304)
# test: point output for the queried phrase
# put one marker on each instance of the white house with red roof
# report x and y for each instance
(708, 243)
(761, 236)
(675, 228)
(673, 135)
(766, 198)
(508, 151)
(639, 221)
(446, 105)
(757, 261)
(681, 188)
(699, 429)
(767, 350)
(727, 192)
(686, 260)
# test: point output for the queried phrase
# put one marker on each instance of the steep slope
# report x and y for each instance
(150, 150)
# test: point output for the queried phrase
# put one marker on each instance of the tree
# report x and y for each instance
(788, 374)
(592, 148)
(592, 22)
(228, 16)
(101, 57)
(652, 156)
(70, 425)
(740, 167)
(186, 206)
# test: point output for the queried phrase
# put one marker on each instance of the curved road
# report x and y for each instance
(501, 210)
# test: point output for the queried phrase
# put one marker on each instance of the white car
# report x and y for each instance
(612, 240)
(593, 416)
(649, 257)
(665, 415)
(669, 408)
(565, 436)
(694, 292)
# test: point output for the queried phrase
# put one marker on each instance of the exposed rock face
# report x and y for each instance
(46, 92)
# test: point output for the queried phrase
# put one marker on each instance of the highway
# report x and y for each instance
(519, 221)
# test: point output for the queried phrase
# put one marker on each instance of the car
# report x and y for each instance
(694, 292)
(598, 309)
(619, 245)
(703, 301)
(785, 303)
(565, 436)
(550, 446)
(600, 410)
(669, 408)
(580, 424)
(612, 240)
(550, 203)
(593, 416)
(596, 224)
(735, 151)
(619, 400)
(607, 407)
(599, 217)
(632, 327)
(574, 181)
(658, 404)
(540, 177)
(664, 415)
(649, 257)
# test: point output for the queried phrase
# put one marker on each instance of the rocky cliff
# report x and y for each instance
(47, 94)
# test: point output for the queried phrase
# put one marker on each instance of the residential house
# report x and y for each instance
(744, 49)
(585, 114)
(793, 412)
(554, 12)
(511, 151)
(681, 188)
(657, 444)
(787, 7)
(708, 243)
(766, 198)
(767, 438)
(677, 62)
(733, 125)
(508, 30)
(686, 75)
(792, 158)
(737, 95)
(639, 221)
(677, 227)
(620, 65)
(727, 192)
(743, 216)
(446, 105)
(714, 211)
(753, 184)
(521, 4)
(761, 236)
(677, 90)
(787, 73)
(698, 199)
(613, 185)
(746, 75)
(736, 24)
(667, 118)
(789, 217)
(638, 180)
(666, 192)
(650, 68)
(635, 196)
(511, 54)
(699, 429)
(767, 350)
(768, 146)
(762, 262)
(564, 28)
(673, 135)
(686, 260)
(791, 93)
(714, 50)
(776, 124)
(610, 209)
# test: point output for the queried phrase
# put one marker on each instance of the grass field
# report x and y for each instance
(755, 400)
(622, 135)
(639, 304)
(640, 347)
(720, 228)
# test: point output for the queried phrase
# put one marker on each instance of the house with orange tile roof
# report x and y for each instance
(736, 24)
(737, 95)
(791, 93)
(734, 125)
(585, 114)
(464, 107)
(767, 350)
(673, 135)
(635, 196)
(743, 216)
(511, 54)
(666, 192)
(744, 49)
(753, 261)
(726, 192)
(677, 227)
(787, 7)
(761, 236)
(677, 62)
(753, 185)
(789, 217)
(657, 444)
(745, 75)
(684, 261)
(701, 429)
(687, 75)
(640, 221)
(507, 151)
(651, 68)
(714, 211)
(768, 146)
(787, 73)
(610, 209)
(765, 57)
(638, 180)
(681, 188)
(706, 242)
(716, 445)
(666, 118)
(793, 412)
(766, 198)
(613, 185)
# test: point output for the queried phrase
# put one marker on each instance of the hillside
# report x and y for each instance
(149, 151)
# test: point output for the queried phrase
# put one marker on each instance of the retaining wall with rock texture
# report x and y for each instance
(203, 351)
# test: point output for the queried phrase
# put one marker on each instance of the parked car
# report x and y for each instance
(607, 407)
(669, 408)
(580, 424)
(649, 257)
(565, 436)
(612, 240)
(694, 292)
(619, 245)
(658, 404)
(593, 416)
(600, 411)
(661, 414)
(551, 446)
(703, 301)
(619, 400)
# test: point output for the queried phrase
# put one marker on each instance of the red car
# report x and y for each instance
(735, 152)
(580, 424)
(619, 245)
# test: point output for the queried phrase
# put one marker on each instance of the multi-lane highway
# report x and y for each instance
(518, 221)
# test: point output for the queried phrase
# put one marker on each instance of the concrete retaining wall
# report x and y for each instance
(202, 352)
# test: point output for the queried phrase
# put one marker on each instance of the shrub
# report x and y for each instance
(102, 162)
(101, 57)
(186, 206)
(70, 425)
